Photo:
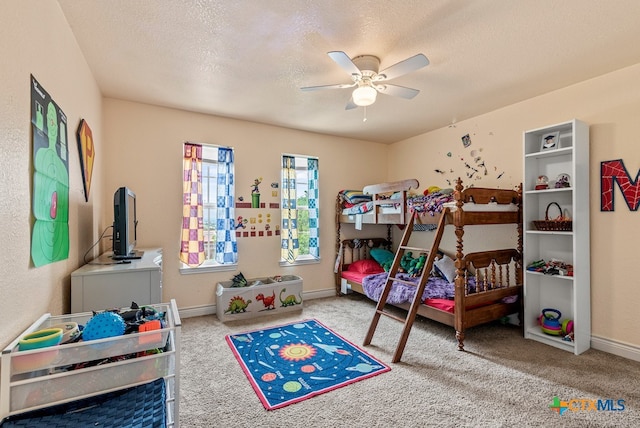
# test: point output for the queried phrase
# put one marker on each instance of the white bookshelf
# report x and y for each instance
(571, 295)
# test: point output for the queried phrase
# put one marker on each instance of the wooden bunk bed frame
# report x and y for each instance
(501, 270)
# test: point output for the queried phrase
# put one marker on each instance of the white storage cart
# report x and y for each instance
(38, 379)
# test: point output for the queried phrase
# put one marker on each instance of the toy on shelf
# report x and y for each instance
(553, 267)
(542, 182)
(563, 180)
(550, 323)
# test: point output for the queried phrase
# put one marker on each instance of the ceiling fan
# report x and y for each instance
(368, 81)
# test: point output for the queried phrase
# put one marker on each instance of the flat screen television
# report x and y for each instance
(125, 224)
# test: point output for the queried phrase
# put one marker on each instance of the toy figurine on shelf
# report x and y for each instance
(563, 180)
(542, 182)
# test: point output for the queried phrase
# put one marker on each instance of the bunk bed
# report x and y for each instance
(482, 286)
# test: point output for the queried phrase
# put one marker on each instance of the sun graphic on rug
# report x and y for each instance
(297, 352)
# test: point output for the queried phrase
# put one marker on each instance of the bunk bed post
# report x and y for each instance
(520, 262)
(459, 310)
(519, 227)
(338, 270)
(338, 224)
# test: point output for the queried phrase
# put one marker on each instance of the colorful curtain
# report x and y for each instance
(314, 211)
(289, 241)
(226, 245)
(192, 242)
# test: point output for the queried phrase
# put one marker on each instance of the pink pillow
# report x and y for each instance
(365, 266)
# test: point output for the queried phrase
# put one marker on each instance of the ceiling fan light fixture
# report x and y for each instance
(364, 96)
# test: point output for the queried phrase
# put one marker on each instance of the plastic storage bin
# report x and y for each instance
(273, 295)
(37, 378)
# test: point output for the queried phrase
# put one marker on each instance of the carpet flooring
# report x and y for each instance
(501, 380)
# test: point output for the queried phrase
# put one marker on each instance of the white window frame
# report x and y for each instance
(209, 265)
(304, 259)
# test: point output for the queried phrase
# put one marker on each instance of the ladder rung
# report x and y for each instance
(422, 250)
(404, 281)
(390, 315)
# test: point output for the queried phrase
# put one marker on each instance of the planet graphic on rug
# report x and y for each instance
(297, 352)
(363, 368)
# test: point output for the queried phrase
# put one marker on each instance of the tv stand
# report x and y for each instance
(107, 283)
(134, 255)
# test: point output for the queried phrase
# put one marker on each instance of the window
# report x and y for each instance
(300, 202)
(208, 234)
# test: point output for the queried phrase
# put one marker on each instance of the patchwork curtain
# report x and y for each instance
(289, 240)
(314, 210)
(226, 245)
(192, 242)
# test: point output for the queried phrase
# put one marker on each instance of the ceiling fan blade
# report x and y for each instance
(343, 60)
(350, 104)
(401, 68)
(338, 86)
(398, 91)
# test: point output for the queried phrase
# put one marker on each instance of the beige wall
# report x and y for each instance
(145, 154)
(611, 106)
(35, 39)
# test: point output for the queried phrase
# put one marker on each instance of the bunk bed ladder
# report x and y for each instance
(424, 276)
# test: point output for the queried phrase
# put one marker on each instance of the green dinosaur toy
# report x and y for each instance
(407, 262)
(416, 269)
(290, 300)
(237, 305)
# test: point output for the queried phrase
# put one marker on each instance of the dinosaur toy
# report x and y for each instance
(267, 301)
(407, 262)
(239, 281)
(237, 305)
(416, 269)
(290, 300)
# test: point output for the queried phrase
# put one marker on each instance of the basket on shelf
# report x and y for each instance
(560, 223)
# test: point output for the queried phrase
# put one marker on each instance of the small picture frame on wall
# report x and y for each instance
(550, 141)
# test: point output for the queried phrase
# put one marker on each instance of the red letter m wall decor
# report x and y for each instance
(615, 172)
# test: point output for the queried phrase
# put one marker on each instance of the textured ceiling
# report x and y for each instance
(248, 59)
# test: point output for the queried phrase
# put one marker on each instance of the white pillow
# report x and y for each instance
(446, 268)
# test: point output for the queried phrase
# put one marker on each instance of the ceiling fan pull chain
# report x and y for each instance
(364, 119)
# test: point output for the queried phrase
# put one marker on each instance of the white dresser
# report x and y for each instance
(105, 283)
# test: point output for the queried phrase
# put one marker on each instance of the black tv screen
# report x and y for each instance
(124, 224)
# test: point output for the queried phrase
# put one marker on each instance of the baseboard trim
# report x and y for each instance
(199, 311)
(620, 349)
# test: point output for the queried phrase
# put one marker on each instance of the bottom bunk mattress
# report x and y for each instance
(438, 292)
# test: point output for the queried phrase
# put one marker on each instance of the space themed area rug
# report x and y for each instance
(292, 362)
